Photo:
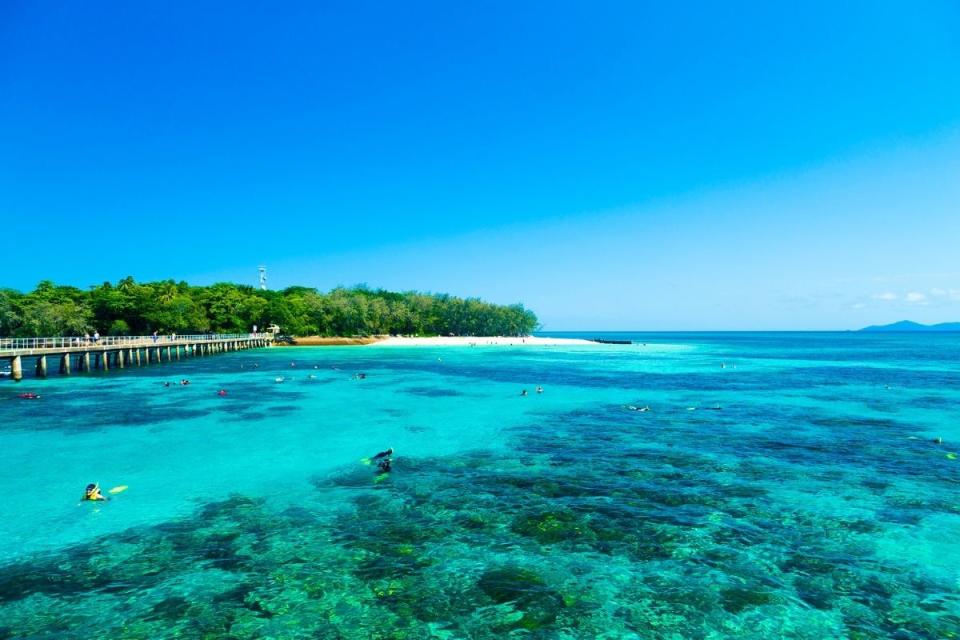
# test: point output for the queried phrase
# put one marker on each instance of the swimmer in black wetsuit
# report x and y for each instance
(383, 460)
(383, 454)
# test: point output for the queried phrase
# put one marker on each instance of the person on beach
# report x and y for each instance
(92, 494)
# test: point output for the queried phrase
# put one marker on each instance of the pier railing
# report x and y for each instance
(120, 342)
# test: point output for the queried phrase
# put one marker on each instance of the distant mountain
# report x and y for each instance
(907, 325)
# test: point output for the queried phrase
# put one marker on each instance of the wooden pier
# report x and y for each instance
(86, 354)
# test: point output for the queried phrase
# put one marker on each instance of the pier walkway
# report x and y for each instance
(86, 354)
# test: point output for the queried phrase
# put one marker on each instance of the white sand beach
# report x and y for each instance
(487, 341)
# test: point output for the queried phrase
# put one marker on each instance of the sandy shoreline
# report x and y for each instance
(435, 341)
(467, 341)
(323, 341)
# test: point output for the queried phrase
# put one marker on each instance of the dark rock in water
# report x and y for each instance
(527, 591)
(173, 608)
(432, 392)
(737, 599)
(552, 527)
(817, 592)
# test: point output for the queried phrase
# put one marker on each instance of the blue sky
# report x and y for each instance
(612, 165)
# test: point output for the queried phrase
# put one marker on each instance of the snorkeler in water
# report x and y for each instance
(92, 494)
(383, 454)
(383, 460)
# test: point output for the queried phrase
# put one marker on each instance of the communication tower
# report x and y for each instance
(263, 278)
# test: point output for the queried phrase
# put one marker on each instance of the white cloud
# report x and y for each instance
(915, 297)
(938, 292)
(859, 305)
(886, 295)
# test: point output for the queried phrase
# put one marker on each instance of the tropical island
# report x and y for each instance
(140, 308)
(910, 326)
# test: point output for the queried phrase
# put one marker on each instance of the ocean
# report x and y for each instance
(689, 485)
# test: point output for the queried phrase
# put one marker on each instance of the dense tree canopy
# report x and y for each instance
(134, 308)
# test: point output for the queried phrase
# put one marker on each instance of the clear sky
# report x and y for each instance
(735, 165)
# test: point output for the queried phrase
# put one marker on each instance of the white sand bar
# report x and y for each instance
(466, 341)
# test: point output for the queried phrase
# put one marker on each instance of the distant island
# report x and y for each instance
(907, 325)
(140, 308)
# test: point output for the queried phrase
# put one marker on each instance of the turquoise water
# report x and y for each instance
(816, 503)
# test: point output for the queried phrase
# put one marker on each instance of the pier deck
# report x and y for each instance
(85, 354)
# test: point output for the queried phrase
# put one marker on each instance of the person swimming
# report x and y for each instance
(184, 382)
(222, 392)
(383, 454)
(92, 494)
(166, 384)
(29, 396)
(383, 460)
(523, 393)
(539, 389)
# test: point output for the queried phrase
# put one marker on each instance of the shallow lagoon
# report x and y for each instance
(814, 504)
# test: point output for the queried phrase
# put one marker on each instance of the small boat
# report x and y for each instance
(604, 341)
